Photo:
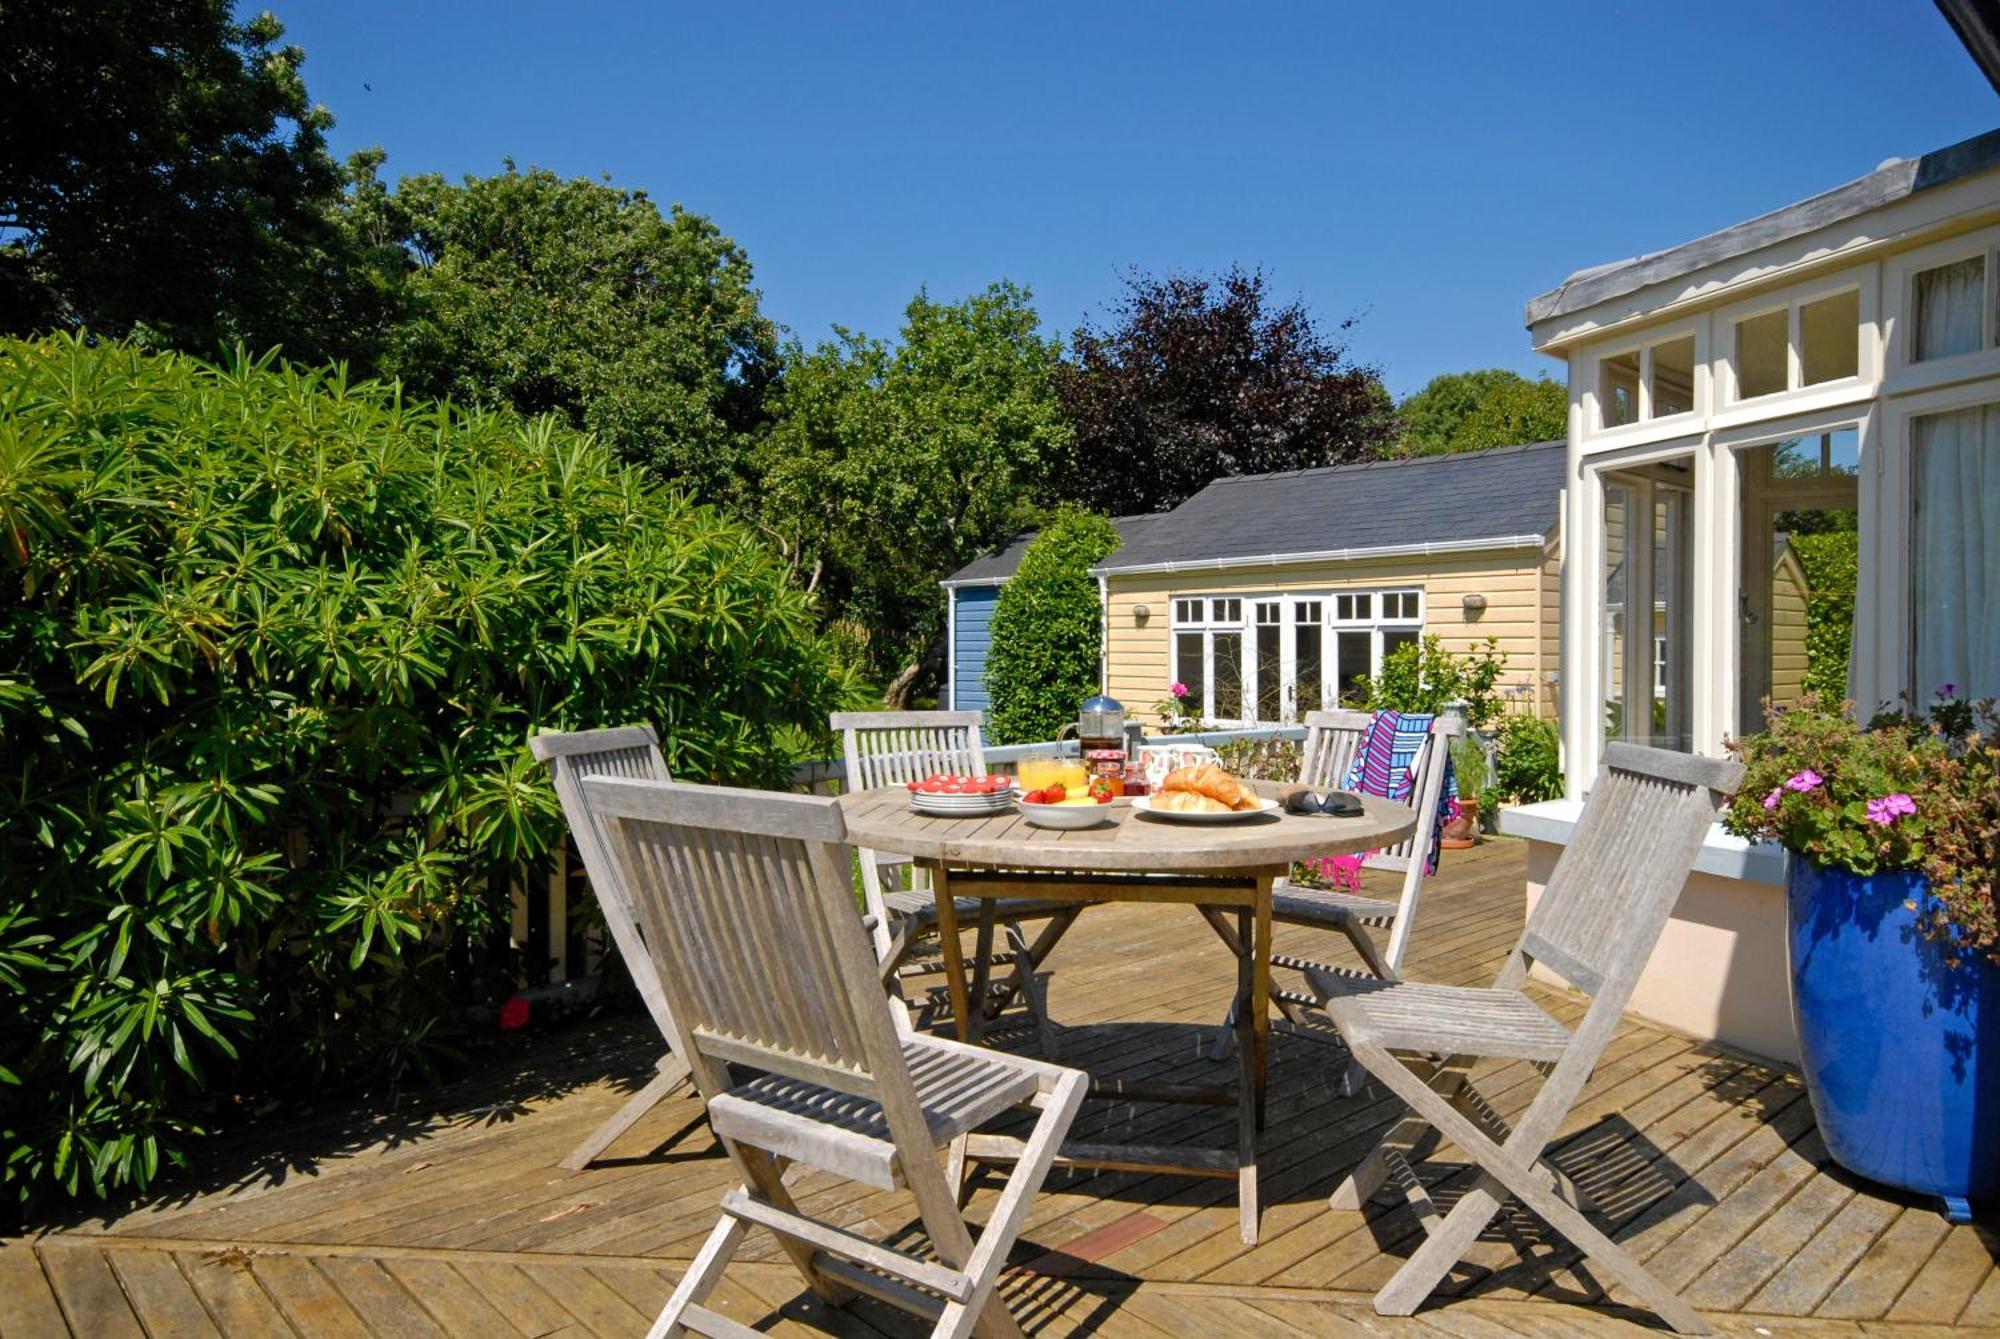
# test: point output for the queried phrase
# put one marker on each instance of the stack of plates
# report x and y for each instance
(963, 806)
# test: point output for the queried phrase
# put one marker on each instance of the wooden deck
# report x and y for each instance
(449, 1216)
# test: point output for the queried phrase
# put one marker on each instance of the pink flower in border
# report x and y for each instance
(1889, 808)
(1947, 690)
(1804, 780)
(1771, 800)
(1177, 688)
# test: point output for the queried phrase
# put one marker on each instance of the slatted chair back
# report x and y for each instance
(1608, 898)
(1333, 739)
(891, 748)
(631, 751)
(749, 917)
(888, 748)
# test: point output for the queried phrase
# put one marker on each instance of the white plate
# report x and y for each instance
(952, 806)
(1144, 804)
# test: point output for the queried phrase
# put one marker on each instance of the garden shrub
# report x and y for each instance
(271, 645)
(1423, 676)
(1047, 630)
(1527, 767)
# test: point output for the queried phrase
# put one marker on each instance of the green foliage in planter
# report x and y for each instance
(1423, 676)
(1471, 769)
(1909, 791)
(1261, 759)
(270, 649)
(1047, 630)
(1528, 766)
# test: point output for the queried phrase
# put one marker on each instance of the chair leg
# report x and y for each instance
(672, 1073)
(1413, 1136)
(1059, 1107)
(1029, 986)
(701, 1277)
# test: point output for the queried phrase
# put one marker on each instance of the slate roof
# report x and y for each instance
(996, 567)
(1459, 501)
(1895, 180)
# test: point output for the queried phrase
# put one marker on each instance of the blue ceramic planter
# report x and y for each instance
(1901, 1052)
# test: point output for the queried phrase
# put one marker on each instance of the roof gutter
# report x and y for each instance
(1522, 541)
(953, 584)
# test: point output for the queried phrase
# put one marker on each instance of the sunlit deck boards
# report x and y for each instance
(451, 1217)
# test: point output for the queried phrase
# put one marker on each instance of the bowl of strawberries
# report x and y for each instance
(1059, 806)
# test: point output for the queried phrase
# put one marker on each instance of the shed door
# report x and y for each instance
(971, 636)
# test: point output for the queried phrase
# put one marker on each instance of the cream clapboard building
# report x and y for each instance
(1270, 595)
(1832, 367)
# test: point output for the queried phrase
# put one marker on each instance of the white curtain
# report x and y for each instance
(1958, 552)
(1949, 300)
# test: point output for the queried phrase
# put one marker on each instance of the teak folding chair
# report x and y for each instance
(891, 748)
(627, 751)
(749, 915)
(1605, 906)
(1332, 740)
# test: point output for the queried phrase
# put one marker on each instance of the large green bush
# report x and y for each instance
(270, 647)
(1423, 676)
(1047, 630)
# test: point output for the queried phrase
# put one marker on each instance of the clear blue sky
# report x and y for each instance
(1424, 167)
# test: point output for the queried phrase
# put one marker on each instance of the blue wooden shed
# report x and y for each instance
(970, 594)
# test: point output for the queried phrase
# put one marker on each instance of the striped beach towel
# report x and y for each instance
(1385, 765)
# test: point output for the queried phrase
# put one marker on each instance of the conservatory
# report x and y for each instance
(1784, 455)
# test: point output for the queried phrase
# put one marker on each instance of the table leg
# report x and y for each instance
(950, 950)
(1260, 989)
(982, 975)
(1248, 1097)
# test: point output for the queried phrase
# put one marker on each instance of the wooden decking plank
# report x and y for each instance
(1873, 1282)
(519, 1298)
(228, 1287)
(308, 1298)
(163, 1300)
(28, 1306)
(1984, 1308)
(1743, 1269)
(1819, 1265)
(93, 1302)
(1947, 1283)
(587, 1298)
(377, 1297)
(456, 1304)
(1737, 1214)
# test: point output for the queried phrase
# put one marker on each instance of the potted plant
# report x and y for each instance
(1893, 937)
(1177, 712)
(1468, 762)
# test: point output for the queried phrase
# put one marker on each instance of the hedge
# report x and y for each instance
(1047, 630)
(270, 647)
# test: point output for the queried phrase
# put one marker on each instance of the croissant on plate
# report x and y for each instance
(1188, 802)
(1213, 781)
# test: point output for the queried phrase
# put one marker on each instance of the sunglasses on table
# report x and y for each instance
(1322, 804)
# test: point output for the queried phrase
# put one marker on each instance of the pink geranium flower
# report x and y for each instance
(1771, 800)
(1889, 808)
(1804, 780)
(1177, 688)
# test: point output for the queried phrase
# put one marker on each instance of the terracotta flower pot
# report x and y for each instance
(1462, 832)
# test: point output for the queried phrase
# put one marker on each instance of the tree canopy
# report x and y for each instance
(1475, 411)
(1047, 630)
(574, 297)
(1196, 379)
(163, 173)
(888, 468)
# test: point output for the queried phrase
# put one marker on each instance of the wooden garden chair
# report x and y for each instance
(1595, 925)
(1333, 738)
(628, 751)
(892, 748)
(748, 911)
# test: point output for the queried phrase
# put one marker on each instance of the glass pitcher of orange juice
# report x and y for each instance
(1037, 770)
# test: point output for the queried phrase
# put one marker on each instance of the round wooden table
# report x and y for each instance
(1224, 871)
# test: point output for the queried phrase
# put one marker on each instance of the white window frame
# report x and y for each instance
(1899, 284)
(1214, 616)
(1210, 621)
(1647, 421)
(1732, 410)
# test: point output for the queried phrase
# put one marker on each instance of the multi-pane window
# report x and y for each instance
(1271, 658)
(1647, 383)
(1802, 344)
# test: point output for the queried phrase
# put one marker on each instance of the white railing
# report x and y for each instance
(825, 775)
